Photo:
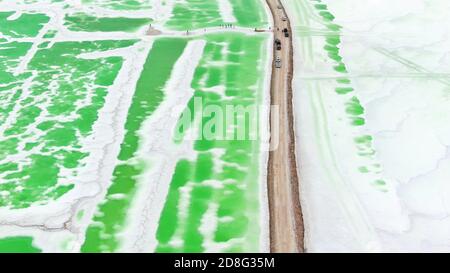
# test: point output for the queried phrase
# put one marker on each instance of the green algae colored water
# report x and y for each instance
(60, 114)
(55, 102)
(18, 245)
(85, 22)
(27, 25)
(10, 54)
(120, 4)
(198, 14)
(110, 219)
(249, 13)
(238, 199)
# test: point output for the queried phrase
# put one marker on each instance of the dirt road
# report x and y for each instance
(286, 223)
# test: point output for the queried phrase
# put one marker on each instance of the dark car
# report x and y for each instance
(278, 44)
(286, 34)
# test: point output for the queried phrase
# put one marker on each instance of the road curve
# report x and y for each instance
(286, 222)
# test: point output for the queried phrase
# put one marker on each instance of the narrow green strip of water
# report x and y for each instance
(85, 22)
(20, 244)
(110, 219)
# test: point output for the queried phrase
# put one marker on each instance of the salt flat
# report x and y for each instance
(372, 123)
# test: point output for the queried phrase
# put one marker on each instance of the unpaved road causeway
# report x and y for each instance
(286, 223)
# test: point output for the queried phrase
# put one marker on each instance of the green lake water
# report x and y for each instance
(149, 94)
(198, 14)
(18, 245)
(49, 123)
(49, 109)
(85, 22)
(238, 200)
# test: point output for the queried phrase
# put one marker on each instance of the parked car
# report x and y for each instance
(278, 62)
(278, 44)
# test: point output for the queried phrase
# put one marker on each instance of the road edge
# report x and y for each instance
(295, 190)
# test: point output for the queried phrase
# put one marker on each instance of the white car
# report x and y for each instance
(278, 62)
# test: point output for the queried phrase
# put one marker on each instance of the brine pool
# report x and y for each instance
(89, 103)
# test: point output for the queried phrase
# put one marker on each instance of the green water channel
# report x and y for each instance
(111, 216)
(120, 4)
(198, 14)
(26, 25)
(49, 109)
(85, 22)
(353, 107)
(51, 116)
(20, 244)
(237, 200)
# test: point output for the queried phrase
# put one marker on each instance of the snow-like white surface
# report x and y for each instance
(397, 56)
